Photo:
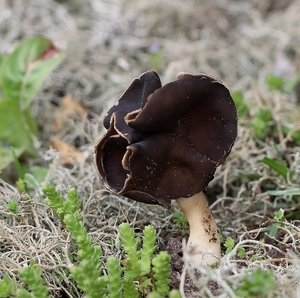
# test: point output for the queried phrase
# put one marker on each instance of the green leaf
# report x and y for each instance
(229, 243)
(286, 192)
(39, 174)
(241, 252)
(18, 166)
(25, 69)
(13, 130)
(21, 75)
(14, 133)
(279, 215)
(279, 168)
(30, 121)
(273, 230)
(6, 157)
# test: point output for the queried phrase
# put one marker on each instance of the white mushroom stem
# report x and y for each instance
(204, 241)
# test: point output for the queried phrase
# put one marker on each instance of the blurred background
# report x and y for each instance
(252, 46)
(108, 43)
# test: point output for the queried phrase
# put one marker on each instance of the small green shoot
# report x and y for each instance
(279, 217)
(140, 273)
(260, 283)
(32, 276)
(229, 244)
(8, 287)
(13, 206)
(161, 272)
(261, 123)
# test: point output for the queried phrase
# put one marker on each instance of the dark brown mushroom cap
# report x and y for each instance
(166, 142)
(135, 96)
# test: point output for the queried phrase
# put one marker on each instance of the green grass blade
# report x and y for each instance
(279, 168)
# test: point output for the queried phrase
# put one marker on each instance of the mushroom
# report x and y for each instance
(165, 143)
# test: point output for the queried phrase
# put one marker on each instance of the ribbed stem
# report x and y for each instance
(204, 240)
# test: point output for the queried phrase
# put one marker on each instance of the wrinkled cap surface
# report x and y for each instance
(166, 142)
